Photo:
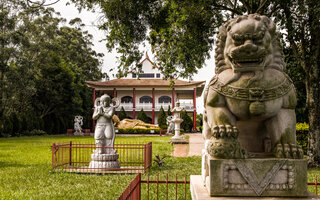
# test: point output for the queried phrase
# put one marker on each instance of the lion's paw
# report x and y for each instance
(225, 131)
(288, 151)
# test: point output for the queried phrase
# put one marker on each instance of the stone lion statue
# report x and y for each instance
(250, 102)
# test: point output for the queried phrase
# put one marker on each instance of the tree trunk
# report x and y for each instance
(313, 105)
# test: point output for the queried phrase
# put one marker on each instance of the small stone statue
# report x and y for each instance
(78, 122)
(105, 156)
(170, 124)
(104, 134)
(177, 120)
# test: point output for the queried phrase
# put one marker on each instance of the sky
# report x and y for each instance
(91, 19)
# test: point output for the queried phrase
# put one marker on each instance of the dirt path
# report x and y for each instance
(194, 148)
(180, 150)
(196, 144)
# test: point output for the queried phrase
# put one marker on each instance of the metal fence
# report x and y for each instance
(315, 183)
(178, 188)
(76, 157)
(134, 189)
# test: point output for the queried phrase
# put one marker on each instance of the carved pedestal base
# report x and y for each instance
(104, 161)
(178, 140)
(265, 177)
(199, 192)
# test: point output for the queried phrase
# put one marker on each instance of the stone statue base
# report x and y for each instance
(257, 177)
(104, 161)
(178, 139)
(200, 192)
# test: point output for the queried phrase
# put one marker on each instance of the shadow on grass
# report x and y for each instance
(11, 164)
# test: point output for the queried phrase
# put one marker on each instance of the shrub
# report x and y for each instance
(162, 119)
(8, 127)
(199, 119)
(16, 127)
(169, 113)
(187, 123)
(48, 124)
(122, 114)
(138, 130)
(302, 136)
(143, 117)
(37, 132)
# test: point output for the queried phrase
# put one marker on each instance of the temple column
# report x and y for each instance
(194, 109)
(114, 96)
(114, 92)
(134, 104)
(94, 99)
(153, 105)
(173, 102)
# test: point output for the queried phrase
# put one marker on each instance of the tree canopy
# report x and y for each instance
(181, 34)
(43, 68)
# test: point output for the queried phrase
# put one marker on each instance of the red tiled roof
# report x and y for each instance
(142, 83)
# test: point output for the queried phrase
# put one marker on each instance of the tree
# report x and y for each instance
(162, 119)
(43, 66)
(187, 123)
(199, 120)
(297, 74)
(122, 114)
(143, 116)
(182, 33)
(301, 20)
(169, 113)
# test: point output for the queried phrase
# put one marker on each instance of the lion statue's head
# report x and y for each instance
(248, 43)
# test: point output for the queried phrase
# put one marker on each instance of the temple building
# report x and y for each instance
(149, 92)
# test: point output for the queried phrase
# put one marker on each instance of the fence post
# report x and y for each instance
(316, 184)
(53, 147)
(150, 160)
(70, 153)
(145, 157)
(139, 186)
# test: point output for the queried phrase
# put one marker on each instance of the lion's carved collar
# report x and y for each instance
(254, 93)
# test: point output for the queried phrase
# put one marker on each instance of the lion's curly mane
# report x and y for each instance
(278, 58)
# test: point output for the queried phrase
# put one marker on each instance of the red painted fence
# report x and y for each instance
(133, 191)
(75, 157)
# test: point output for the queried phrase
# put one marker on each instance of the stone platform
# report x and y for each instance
(104, 161)
(199, 192)
(179, 141)
(257, 177)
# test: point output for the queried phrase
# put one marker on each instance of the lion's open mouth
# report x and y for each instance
(246, 61)
(246, 64)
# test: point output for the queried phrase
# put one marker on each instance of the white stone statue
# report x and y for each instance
(249, 117)
(78, 122)
(104, 134)
(170, 124)
(177, 120)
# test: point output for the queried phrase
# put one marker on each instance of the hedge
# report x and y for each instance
(138, 130)
(302, 136)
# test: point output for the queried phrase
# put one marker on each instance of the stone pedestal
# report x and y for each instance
(104, 161)
(200, 192)
(178, 140)
(265, 177)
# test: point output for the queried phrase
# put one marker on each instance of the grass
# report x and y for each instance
(25, 171)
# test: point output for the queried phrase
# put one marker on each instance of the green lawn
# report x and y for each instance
(25, 170)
